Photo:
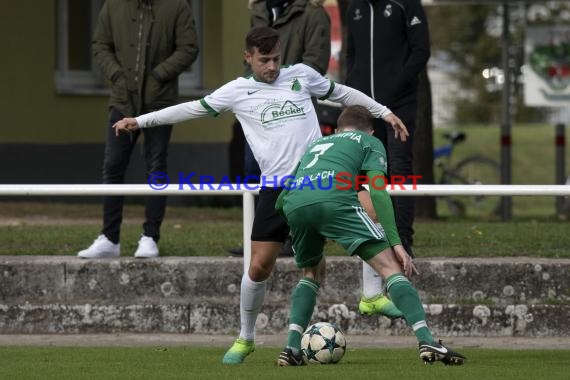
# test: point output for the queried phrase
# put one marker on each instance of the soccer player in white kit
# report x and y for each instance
(275, 110)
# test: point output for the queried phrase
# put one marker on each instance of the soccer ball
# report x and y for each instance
(323, 343)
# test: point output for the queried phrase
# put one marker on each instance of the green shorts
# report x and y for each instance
(348, 225)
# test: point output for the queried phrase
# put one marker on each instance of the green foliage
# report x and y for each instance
(469, 36)
(465, 42)
(464, 37)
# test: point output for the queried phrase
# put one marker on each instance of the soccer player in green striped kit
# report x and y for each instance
(320, 203)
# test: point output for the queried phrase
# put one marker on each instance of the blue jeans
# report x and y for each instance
(118, 150)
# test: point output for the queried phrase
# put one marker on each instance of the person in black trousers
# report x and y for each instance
(141, 47)
(387, 47)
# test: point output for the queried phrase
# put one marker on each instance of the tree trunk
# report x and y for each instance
(423, 147)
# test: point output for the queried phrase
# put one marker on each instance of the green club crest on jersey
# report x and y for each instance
(296, 86)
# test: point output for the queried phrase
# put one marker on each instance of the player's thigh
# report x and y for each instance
(351, 227)
(308, 243)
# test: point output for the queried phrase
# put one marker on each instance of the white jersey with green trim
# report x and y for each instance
(278, 119)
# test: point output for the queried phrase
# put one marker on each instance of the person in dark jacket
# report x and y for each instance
(142, 46)
(304, 29)
(387, 47)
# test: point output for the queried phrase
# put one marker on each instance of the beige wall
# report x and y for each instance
(32, 112)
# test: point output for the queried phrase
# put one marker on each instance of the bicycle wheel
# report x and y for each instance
(474, 170)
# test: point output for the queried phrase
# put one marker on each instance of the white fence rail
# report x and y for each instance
(250, 191)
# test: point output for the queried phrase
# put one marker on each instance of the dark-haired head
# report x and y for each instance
(355, 117)
(263, 54)
(264, 38)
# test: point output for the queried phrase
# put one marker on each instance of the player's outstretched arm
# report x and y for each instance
(126, 125)
(166, 116)
(349, 96)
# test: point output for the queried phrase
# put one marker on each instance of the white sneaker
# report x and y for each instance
(101, 248)
(147, 248)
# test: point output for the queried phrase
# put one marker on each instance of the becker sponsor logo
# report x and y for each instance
(280, 111)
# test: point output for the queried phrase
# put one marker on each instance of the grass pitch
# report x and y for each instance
(205, 363)
(189, 233)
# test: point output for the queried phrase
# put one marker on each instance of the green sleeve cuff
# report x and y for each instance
(331, 89)
(210, 110)
(384, 210)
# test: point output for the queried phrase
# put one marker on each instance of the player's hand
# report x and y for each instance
(400, 130)
(127, 125)
(405, 260)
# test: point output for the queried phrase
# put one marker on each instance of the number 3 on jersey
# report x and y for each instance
(319, 150)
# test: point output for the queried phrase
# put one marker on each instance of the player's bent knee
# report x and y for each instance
(260, 269)
(259, 272)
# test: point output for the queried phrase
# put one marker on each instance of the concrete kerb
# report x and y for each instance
(199, 296)
(273, 341)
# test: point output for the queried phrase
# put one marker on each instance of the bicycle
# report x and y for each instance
(472, 170)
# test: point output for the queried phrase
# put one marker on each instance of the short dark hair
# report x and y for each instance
(263, 38)
(357, 117)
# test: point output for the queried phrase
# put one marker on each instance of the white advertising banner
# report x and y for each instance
(547, 66)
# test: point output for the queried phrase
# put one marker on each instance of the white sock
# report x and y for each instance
(251, 300)
(371, 281)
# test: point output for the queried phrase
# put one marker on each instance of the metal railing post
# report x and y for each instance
(560, 165)
(248, 213)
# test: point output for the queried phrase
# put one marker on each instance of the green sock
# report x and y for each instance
(302, 305)
(405, 297)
